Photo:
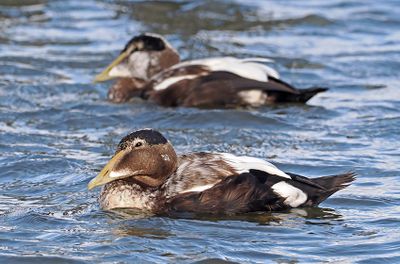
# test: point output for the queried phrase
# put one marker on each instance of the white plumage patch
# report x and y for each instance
(247, 68)
(198, 188)
(139, 63)
(119, 173)
(120, 70)
(123, 173)
(170, 81)
(135, 66)
(244, 164)
(253, 97)
(293, 196)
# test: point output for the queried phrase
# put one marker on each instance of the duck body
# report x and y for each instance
(211, 82)
(213, 183)
(223, 82)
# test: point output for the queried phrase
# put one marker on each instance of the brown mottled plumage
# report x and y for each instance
(124, 89)
(146, 174)
(214, 82)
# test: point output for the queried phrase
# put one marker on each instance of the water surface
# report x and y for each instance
(57, 130)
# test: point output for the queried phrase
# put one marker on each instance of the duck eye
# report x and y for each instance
(138, 144)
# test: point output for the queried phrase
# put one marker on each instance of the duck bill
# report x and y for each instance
(105, 75)
(104, 176)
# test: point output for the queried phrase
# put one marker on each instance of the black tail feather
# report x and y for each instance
(332, 184)
(306, 94)
(281, 92)
(336, 182)
(299, 96)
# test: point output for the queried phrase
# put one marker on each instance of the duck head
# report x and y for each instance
(143, 56)
(144, 156)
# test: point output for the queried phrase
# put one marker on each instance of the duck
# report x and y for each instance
(148, 67)
(146, 174)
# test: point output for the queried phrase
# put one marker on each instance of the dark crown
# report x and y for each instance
(152, 137)
(150, 43)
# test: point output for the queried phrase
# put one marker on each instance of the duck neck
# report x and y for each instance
(126, 193)
(147, 181)
(126, 88)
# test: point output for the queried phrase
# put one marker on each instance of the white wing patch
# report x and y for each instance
(170, 81)
(250, 68)
(293, 196)
(247, 68)
(198, 188)
(244, 164)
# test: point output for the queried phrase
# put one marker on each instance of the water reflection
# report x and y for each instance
(125, 219)
(135, 231)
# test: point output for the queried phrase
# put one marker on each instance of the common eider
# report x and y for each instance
(148, 67)
(146, 174)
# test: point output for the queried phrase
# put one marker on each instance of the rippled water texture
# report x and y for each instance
(57, 129)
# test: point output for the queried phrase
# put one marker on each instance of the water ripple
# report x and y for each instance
(57, 130)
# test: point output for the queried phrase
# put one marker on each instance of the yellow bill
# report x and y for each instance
(104, 176)
(104, 75)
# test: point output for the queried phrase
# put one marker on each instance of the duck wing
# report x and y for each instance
(259, 191)
(250, 68)
(200, 171)
(224, 82)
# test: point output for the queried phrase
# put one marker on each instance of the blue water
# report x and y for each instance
(57, 129)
